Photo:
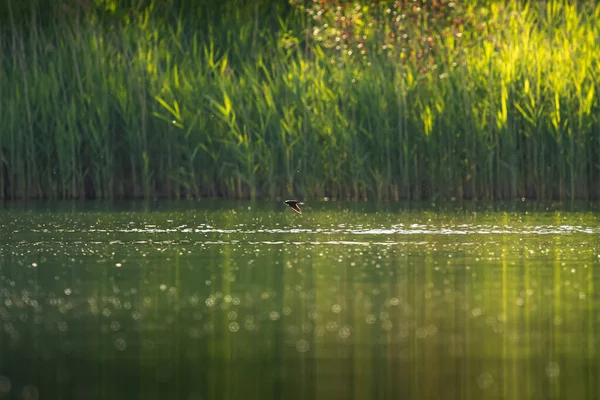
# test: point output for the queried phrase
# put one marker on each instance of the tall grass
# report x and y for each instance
(260, 100)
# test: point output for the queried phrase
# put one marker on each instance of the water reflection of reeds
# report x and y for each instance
(161, 316)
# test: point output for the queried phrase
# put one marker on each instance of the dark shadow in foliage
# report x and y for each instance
(206, 12)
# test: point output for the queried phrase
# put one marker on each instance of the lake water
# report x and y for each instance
(240, 300)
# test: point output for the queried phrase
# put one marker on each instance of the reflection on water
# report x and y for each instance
(233, 303)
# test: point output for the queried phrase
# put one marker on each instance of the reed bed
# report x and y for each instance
(261, 99)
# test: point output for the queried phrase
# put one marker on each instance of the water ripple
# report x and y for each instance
(247, 233)
(393, 230)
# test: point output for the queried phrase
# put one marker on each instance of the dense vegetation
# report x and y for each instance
(381, 100)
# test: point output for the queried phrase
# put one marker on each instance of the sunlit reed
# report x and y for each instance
(248, 102)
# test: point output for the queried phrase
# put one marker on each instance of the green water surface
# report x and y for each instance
(240, 300)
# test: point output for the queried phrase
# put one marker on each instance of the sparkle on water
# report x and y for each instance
(349, 300)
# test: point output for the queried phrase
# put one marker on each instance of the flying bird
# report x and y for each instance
(293, 204)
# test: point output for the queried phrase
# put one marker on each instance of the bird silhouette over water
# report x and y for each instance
(293, 204)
